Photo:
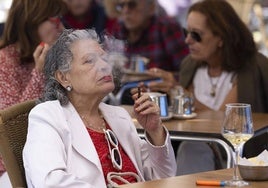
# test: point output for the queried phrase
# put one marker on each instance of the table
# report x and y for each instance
(189, 181)
(206, 127)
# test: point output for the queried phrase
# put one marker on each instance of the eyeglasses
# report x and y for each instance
(130, 4)
(194, 35)
(115, 154)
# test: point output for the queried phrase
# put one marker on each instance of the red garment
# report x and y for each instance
(75, 24)
(110, 24)
(102, 148)
(18, 82)
(162, 42)
(95, 18)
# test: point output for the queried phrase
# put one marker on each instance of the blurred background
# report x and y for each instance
(4, 6)
(253, 12)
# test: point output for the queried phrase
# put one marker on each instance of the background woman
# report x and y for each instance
(87, 14)
(223, 66)
(21, 58)
(75, 140)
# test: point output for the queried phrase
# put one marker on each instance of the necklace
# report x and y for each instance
(213, 86)
(91, 126)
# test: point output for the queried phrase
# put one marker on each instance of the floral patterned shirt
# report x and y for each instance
(18, 82)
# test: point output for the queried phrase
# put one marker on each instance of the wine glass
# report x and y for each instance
(237, 128)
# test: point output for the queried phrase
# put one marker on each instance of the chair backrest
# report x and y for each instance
(13, 132)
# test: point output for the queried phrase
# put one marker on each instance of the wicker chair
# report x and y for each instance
(13, 131)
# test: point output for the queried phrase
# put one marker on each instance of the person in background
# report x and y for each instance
(75, 140)
(21, 52)
(224, 66)
(86, 14)
(223, 63)
(158, 38)
(111, 13)
(110, 8)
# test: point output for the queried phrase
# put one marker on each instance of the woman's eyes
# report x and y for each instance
(89, 61)
(94, 59)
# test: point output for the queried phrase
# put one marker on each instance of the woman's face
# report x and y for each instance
(50, 30)
(209, 45)
(90, 73)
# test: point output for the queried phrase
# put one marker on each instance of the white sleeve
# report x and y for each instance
(44, 154)
(159, 161)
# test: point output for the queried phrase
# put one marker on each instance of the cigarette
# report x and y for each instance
(139, 92)
(210, 183)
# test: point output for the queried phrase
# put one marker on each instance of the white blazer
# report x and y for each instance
(60, 153)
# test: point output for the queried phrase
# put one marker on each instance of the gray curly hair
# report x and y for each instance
(59, 58)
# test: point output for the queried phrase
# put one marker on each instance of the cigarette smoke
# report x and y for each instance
(116, 58)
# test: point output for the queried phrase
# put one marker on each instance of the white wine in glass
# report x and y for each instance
(237, 128)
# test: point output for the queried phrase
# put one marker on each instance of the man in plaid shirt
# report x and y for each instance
(158, 38)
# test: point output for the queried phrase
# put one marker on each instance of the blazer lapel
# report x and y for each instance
(81, 140)
(116, 121)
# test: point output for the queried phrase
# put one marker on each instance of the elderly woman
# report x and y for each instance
(75, 140)
(224, 66)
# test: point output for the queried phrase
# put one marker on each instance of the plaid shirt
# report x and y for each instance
(162, 42)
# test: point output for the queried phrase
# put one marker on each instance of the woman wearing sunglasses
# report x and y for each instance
(76, 140)
(224, 66)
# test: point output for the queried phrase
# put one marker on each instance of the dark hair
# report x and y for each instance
(22, 23)
(223, 21)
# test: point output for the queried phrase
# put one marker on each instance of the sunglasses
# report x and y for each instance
(194, 35)
(115, 154)
(130, 4)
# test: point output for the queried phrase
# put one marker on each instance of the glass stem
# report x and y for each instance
(236, 163)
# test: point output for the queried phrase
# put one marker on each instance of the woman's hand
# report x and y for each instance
(148, 115)
(168, 80)
(39, 56)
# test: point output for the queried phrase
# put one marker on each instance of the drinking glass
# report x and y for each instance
(237, 128)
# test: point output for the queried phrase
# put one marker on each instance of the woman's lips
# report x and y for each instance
(107, 78)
